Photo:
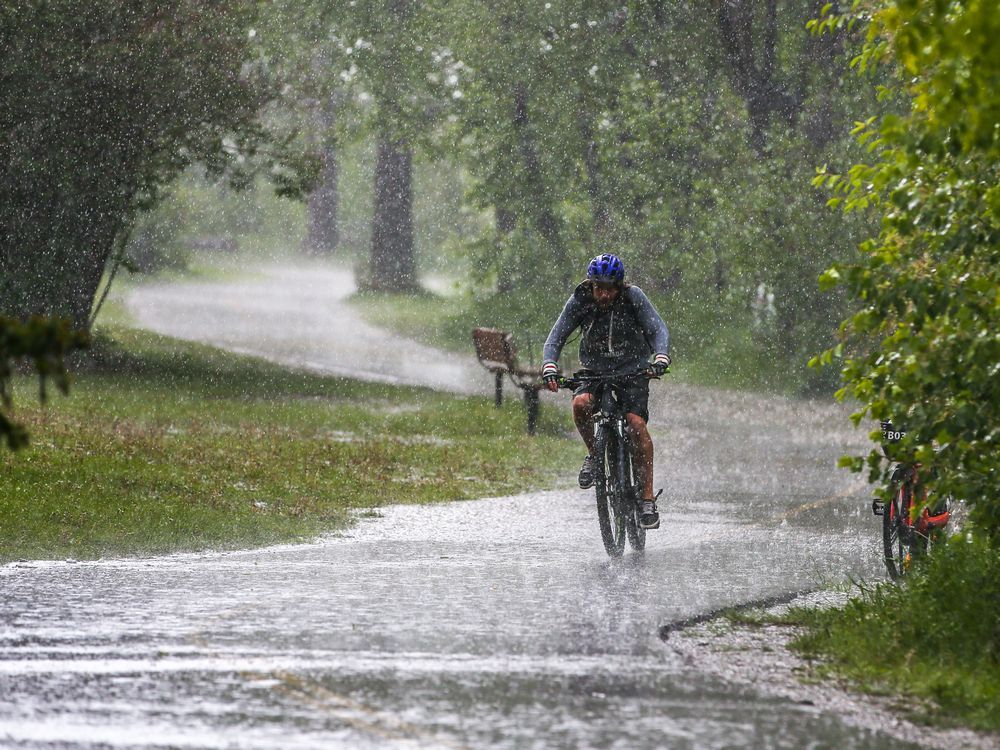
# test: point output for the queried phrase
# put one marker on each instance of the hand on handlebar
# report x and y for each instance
(660, 365)
(550, 374)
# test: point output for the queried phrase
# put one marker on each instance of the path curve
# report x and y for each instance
(299, 316)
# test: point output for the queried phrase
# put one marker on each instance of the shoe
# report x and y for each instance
(649, 519)
(586, 474)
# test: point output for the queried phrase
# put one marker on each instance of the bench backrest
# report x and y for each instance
(495, 349)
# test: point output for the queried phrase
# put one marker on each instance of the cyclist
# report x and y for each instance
(620, 329)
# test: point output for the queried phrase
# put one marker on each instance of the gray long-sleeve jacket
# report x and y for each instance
(620, 338)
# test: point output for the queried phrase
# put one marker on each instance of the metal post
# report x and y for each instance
(498, 395)
(531, 404)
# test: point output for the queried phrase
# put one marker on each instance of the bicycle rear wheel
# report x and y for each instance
(636, 534)
(610, 517)
(893, 530)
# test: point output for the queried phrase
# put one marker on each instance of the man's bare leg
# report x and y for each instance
(583, 412)
(642, 453)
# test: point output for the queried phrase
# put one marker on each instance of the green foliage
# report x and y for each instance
(377, 63)
(924, 347)
(580, 129)
(934, 640)
(45, 343)
(201, 214)
(102, 104)
(157, 241)
(589, 130)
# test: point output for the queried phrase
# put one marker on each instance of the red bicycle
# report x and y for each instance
(907, 533)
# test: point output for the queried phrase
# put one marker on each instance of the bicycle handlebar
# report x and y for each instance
(580, 379)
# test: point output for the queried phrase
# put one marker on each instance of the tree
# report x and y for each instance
(392, 57)
(323, 232)
(379, 61)
(527, 119)
(750, 37)
(103, 103)
(303, 57)
(924, 347)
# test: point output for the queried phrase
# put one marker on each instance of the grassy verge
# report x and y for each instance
(934, 641)
(437, 320)
(165, 446)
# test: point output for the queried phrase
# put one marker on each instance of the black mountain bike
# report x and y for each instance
(619, 502)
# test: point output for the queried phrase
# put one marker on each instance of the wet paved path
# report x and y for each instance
(490, 623)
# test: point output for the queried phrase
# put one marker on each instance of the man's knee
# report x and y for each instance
(636, 424)
(583, 403)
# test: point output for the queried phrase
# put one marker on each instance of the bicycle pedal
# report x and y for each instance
(878, 507)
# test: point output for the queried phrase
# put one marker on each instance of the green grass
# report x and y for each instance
(935, 640)
(438, 320)
(755, 617)
(164, 446)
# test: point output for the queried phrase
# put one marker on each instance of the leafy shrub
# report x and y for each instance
(936, 639)
(924, 348)
(45, 342)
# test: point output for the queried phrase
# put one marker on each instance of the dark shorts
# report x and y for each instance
(636, 396)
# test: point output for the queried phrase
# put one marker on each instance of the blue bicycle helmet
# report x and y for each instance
(606, 267)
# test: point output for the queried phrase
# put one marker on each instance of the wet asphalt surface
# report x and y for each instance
(491, 623)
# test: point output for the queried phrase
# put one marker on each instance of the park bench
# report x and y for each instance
(496, 352)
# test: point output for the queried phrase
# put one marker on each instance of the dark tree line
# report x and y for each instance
(679, 137)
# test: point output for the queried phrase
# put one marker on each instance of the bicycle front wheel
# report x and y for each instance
(610, 517)
(636, 534)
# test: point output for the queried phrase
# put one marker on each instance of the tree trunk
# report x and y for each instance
(544, 218)
(751, 66)
(92, 265)
(599, 210)
(392, 266)
(822, 54)
(323, 233)
(506, 222)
